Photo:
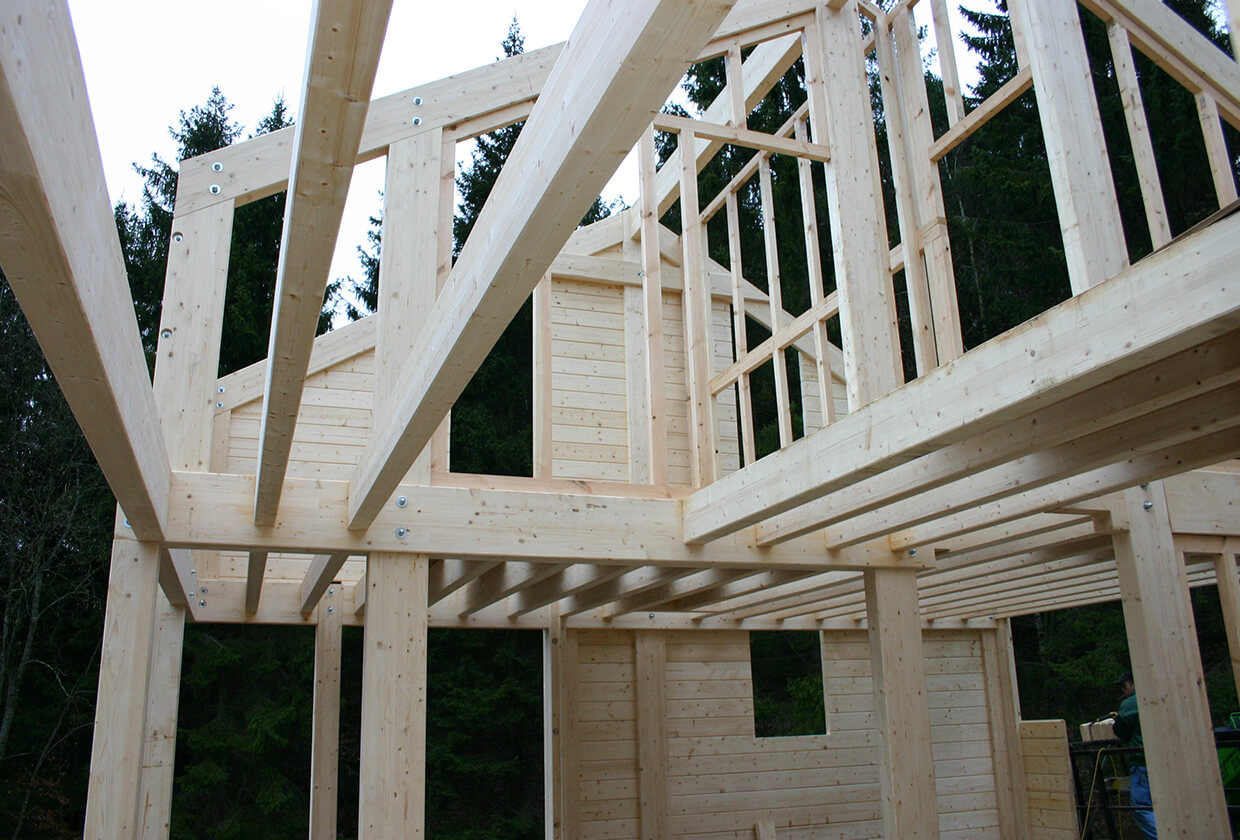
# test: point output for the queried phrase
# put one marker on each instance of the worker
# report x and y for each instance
(1128, 730)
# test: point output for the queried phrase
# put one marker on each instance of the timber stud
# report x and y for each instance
(402, 501)
(401, 532)
(215, 189)
(1147, 505)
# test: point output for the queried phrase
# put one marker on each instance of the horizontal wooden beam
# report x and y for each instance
(345, 39)
(614, 75)
(1050, 358)
(211, 510)
(62, 258)
(743, 137)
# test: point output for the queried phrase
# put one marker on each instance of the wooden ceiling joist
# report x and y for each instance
(345, 39)
(62, 258)
(1049, 350)
(615, 73)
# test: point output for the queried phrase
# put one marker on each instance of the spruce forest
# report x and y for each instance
(244, 723)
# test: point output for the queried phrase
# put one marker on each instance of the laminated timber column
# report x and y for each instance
(999, 666)
(114, 792)
(1162, 642)
(901, 711)
(840, 114)
(561, 792)
(1093, 237)
(650, 656)
(392, 785)
(325, 727)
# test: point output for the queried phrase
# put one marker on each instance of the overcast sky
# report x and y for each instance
(148, 60)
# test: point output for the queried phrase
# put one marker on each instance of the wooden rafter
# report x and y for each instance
(62, 258)
(345, 40)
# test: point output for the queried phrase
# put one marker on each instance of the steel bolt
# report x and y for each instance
(165, 333)
(401, 501)
(417, 120)
(215, 189)
(1147, 505)
(202, 603)
(912, 552)
(331, 609)
(417, 100)
(217, 167)
(219, 405)
(202, 591)
(176, 237)
(220, 389)
(126, 522)
(401, 532)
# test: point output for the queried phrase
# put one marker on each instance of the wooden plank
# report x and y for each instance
(906, 766)
(62, 258)
(345, 40)
(650, 656)
(1179, 743)
(703, 444)
(593, 108)
(114, 791)
(846, 451)
(565, 584)
(542, 407)
(952, 92)
(1009, 92)
(501, 581)
(783, 405)
(392, 773)
(1003, 703)
(1093, 236)
(736, 136)
(325, 723)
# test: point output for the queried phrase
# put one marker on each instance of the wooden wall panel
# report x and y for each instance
(1048, 780)
(723, 781)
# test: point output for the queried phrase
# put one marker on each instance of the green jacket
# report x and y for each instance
(1128, 729)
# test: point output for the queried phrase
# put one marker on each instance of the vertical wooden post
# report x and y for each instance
(408, 270)
(186, 369)
(553, 776)
(696, 313)
(1162, 642)
(568, 786)
(393, 756)
(652, 313)
(775, 296)
(1093, 237)
(1000, 673)
(542, 378)
(114, 791)
(1229, 597)
(901, 711)
(839, 109)
(650, 650)
(325, 729)
(945, 40)
(160, 731)
(1221, 167)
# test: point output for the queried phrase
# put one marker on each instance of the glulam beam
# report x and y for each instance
(615, 73)
(346, 37)
(62, 258)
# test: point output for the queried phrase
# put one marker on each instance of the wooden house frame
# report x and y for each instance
(1080, 457)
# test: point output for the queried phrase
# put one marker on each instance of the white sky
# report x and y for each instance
(148, 60)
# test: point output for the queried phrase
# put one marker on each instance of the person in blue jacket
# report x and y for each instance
(1128, 730)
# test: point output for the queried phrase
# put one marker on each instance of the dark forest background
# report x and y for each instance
(244, 734)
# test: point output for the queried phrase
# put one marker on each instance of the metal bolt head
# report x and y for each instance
(165, 333)
(202, 591)
(217, 167)
(202, 603)
(331, 590)
(401, 533)
(417, 100)
(331, 609)
(912, 552)
(417, 120)
(652, 616)
(402, 501)
(219, 405)
(220, 389)
(177, 237)
(193, 571)
(126, 522)
(1145, 485)
(1147, 505)
(215, 189)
